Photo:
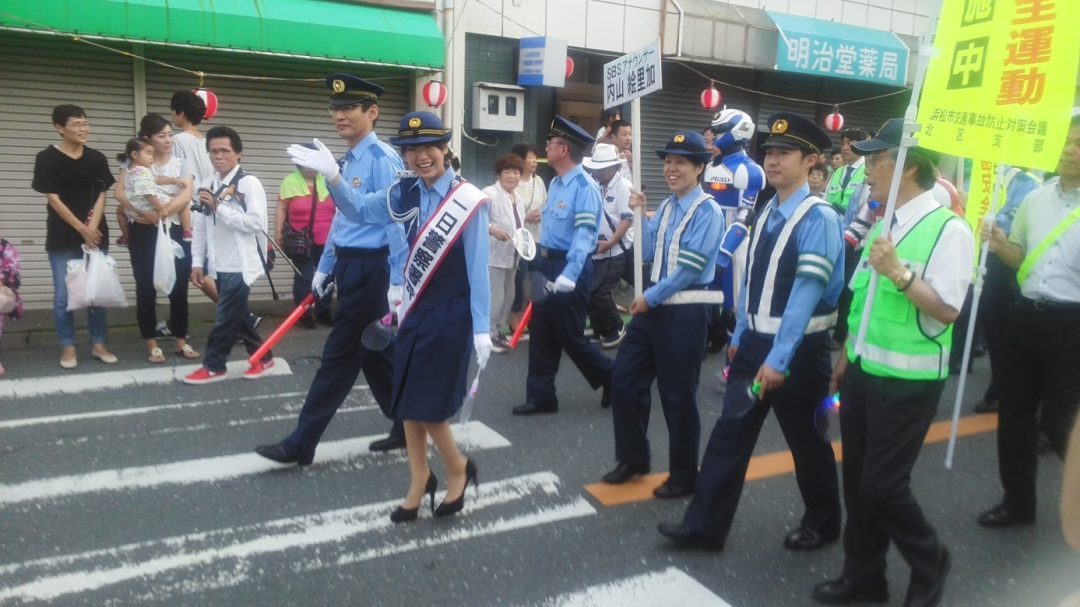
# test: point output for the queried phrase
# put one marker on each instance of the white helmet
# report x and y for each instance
(731, 127)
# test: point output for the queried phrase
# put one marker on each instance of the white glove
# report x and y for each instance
(563, 284)
(482, 344)
(319, 286)
(319, 159)
(394, 297)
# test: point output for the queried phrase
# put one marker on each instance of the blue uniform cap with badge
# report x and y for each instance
(889, 137)
(793, 131)
(420, 128)
(688, 144)
(572, 133)
(346, 90)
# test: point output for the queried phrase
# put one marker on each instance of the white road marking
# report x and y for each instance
(201, 554)
(111, 380)
(668, 588)
(473, 436)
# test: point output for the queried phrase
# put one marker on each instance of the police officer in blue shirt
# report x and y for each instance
(356, 255)
(563, 272)
(795, 271)
(666, 338)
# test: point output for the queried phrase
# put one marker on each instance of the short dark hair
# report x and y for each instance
(925, 166)
(854, 134)
(521, 150)
(190, 105)
(616, 125)
(821, 167)
(62, 113)
(150, 125)
(509, 162)
(133, 145)
(219, 132)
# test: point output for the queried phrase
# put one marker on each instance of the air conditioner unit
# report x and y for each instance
(498, 107)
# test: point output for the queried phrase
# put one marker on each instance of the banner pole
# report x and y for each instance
(635, 122)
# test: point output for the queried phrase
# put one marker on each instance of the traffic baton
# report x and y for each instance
(280, 332)
(522, 324)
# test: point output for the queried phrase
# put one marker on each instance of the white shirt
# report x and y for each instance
(501, 215)
(231, 238)
(1056, 276)
(615, 207)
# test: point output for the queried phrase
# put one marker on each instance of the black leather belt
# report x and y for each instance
(552, 253)
(360, 252)
(1046, 305)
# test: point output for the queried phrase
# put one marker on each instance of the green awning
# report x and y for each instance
(321, 29)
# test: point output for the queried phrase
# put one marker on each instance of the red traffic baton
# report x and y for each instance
(280, 332)
(522, 324)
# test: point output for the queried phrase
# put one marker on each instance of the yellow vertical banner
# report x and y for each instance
(1001, 84)
(980, 198)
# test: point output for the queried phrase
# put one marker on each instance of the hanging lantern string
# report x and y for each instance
(713, 82)
(201, 75)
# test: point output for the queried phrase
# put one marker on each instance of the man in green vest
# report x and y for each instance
(1042, 340)
(890, 387)
(846, 179)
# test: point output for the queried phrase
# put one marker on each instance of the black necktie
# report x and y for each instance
(848, 170)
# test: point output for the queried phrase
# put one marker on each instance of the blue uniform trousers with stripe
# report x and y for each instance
(666, 344)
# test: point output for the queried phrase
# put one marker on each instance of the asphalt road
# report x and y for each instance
(119, 485)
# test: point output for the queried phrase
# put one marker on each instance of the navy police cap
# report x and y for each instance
(561, 127)
(420, 128)
(346, 89)
(689, 144)
(791, 130)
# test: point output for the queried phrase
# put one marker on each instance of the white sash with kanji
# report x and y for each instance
(435, 239)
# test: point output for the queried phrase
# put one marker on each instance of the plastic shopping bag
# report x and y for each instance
(165, 261)
(76, 284)
(103, 289)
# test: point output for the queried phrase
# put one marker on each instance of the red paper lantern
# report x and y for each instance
(834, 121)
(210, 99)
(434, 93)
(711, 98)
(569, 66)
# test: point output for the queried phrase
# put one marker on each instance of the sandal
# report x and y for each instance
(188, 352)
(156, 356)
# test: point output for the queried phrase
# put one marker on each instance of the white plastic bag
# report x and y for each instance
(103, 289)
(164, 261)
(76, 284)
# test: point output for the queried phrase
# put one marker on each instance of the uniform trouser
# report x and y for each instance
(728, 452)
(851, 263)
(361, 282)
(666, 343)
(603, 316)
(999, 294)
(558, 324)
(143, 240)
(883, 423)
(231, 320)
(1041, 362)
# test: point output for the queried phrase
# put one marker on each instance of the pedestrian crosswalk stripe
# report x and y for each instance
(668, 588)
(473, 436)
(198, 554)
(75, 383)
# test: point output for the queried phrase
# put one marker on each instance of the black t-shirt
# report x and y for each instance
(77, 182)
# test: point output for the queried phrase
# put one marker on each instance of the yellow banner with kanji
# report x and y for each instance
(980, 198)
(1001, 84)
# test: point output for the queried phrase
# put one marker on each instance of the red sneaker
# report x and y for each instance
(259, 369)
(204, 376)
(187, 235)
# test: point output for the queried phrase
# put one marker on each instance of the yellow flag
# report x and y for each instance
(980, 198)
(1001, 84)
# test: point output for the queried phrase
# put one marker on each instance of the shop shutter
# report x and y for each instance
(39, 73)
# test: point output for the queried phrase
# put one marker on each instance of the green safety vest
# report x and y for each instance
(897, 342)
(840, 197)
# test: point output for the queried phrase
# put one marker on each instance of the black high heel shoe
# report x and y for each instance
(447, 508)
(404, 515)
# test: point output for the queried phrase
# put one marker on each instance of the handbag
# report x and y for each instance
(297, 243)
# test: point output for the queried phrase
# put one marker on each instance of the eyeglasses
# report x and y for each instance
(876, 159)
(78, 126)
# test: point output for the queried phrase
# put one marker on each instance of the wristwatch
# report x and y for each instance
(904, 281)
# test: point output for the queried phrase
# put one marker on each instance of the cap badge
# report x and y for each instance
(338, 86)
(414, 123)
(679, 138)
(779, 127)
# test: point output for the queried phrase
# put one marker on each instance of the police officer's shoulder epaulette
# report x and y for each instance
(377, 151)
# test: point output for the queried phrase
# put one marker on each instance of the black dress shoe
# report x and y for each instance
(387, 444)
(670, 490)
(843, 591)
(605, 396)
(986, 406)
(279, 453)
(1004, 516)
(920, 595)
(535, 409)
(808, 539)
(624, 472)
(684, 538)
